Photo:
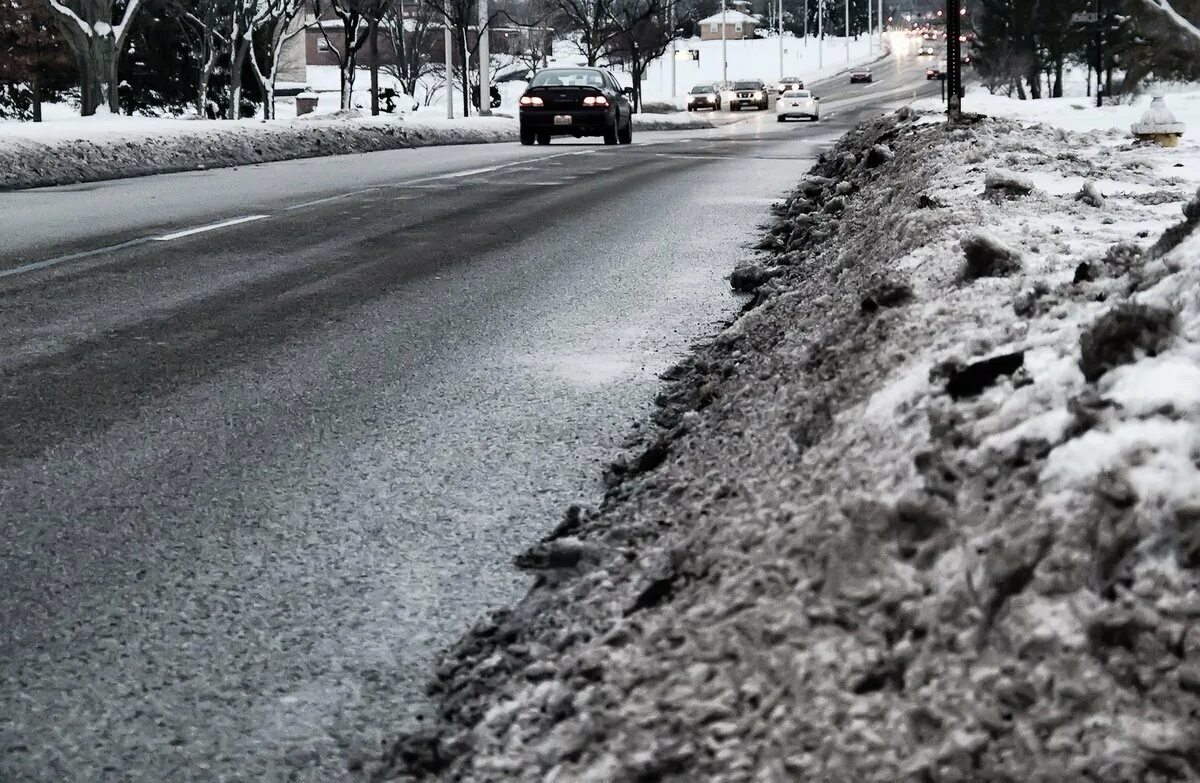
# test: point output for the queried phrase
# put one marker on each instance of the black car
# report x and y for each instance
(749, 93)
(576, 102)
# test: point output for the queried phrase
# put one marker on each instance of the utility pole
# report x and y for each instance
(870, 27)
(485, 60)
(724, 46)
(847, 4)
(448, 42)
(1099, 55)
(954, 60)
(781, 40)
(674, 48)
(820, 34)
(805, 24)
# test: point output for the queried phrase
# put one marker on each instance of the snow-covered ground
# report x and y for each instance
(110, 147)
(929, 510)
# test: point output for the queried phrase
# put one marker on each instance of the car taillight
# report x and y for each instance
(531, 100)
(595, 100)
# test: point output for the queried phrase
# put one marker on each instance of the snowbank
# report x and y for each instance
(108, 147)
(38, 155)
(898, 521)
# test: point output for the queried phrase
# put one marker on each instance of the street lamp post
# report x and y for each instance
(674, 48)
(780, 40)
(820, 34)
(724, 46)
(847, 4)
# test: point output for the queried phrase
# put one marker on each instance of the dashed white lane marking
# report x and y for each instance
(327, 199)
(49, 262)
(213, 227)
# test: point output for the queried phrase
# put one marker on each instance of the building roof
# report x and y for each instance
(731, 17)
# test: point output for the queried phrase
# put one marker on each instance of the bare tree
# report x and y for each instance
(644, 33)
(410, 38)
(273, 22)
(359, 21)
(97, 43)
(202, 23)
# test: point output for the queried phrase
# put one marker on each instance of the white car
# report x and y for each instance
(798, 103)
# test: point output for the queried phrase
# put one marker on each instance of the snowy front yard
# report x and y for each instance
(929, 510)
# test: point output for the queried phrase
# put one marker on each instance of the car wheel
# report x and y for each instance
(543, 138)
(626, 136)
(781, 118)
(610, 133)
(527, 137)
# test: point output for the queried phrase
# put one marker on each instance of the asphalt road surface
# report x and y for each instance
(272, 435)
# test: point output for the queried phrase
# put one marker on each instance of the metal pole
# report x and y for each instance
(820, 34)
(674, 48)
(847, 3)
(1099, 57)
(485, 60)
(724, 46)
(449, 44)
(954, 61)
(780, 40)
(805, 24)
(870, 27)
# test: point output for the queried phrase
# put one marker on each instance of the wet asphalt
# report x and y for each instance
(253, 479)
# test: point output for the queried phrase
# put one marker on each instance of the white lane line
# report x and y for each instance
(327, 199)
(20, 270)
(201, 229)
(490, 169)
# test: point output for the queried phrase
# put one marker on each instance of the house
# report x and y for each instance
(738, 26)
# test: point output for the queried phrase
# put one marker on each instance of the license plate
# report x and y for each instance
(562, 119)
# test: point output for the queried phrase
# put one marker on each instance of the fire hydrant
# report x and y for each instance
(1159, 124)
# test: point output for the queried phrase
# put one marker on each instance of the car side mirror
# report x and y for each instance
(628, 91)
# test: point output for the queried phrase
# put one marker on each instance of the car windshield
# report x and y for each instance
(790, 80)
(747, 85)
(702, 89)
(797, 94)
(568, 77)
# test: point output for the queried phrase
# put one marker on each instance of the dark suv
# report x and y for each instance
(749, 93)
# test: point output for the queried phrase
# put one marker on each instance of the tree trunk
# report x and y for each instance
(35, 87)
(114, 84)
(1058, 77)
(1020, 90)
(466, 74)
(348, 84)
(373, 31)
(237, 64)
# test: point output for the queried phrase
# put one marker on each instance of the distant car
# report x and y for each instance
(576, 102)
(799, 104)
(790, 83)
(749, 93)
(861, 75)
(926, 51)
(704, 96)
(936, 71)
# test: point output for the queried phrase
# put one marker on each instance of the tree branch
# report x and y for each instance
(1164, 7)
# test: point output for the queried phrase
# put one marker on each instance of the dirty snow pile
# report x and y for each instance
(928, 510)
(37, 155)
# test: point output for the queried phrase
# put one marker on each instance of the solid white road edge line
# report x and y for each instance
(201, 229)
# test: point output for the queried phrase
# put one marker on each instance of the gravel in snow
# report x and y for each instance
(895, 522)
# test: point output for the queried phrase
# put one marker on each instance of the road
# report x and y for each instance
(272, 435)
